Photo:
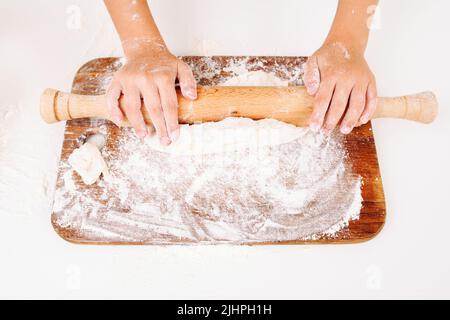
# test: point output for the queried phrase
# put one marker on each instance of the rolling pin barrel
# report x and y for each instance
(288, 104)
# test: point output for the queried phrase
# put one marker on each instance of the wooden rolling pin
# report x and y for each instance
(288, 104)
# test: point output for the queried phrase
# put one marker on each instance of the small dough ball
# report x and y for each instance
(98, 140)
(88, 162)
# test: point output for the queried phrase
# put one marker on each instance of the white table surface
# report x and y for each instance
(43, 45)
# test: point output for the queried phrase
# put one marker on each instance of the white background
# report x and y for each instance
(42, 46)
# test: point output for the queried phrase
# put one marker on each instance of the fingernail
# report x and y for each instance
(314, 127)
(165, 141)
(311, 88)
(191, 93)
(174, 135)
(141, 133)
(326, 132)
(364, 119)
(117, 121)
(346, 129)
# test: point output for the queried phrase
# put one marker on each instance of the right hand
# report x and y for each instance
(343, 86)
(151, 75)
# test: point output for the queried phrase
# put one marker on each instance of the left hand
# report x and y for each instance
(343, 87)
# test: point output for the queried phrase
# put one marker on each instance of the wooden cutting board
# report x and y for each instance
(93, 77)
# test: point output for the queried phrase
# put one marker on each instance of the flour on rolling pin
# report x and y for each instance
(236, 181)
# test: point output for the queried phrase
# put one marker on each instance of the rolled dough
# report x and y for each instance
(228, 135)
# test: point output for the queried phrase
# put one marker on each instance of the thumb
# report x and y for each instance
(311, 75)
(187, 82)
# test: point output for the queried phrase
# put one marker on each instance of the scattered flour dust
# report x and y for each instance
(233, 181)
(256, 78)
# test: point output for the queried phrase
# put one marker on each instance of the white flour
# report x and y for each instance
(255, 78)
(237, 180)
(27, 177)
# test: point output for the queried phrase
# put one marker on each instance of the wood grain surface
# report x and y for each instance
(93, 77)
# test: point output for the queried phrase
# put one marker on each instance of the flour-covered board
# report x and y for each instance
(306, 190)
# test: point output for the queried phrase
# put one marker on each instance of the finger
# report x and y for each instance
(112, 102)
(371, 103)
(337, 108)
(311, 75)
(169, 105)
(132, 108)
(321, 103)
(152, 104)
(187, 82)
(355, 108)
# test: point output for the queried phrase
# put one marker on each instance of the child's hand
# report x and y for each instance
(151, 75)
(343, 86)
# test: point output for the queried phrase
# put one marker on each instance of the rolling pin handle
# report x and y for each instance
(428, 106)
(421, 107)
(54, 106)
